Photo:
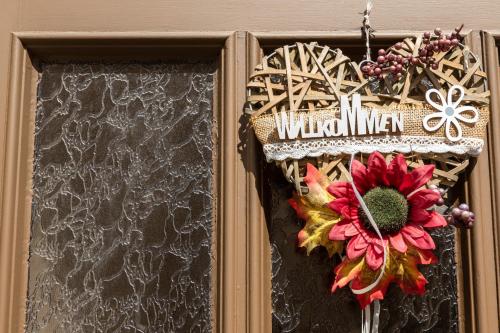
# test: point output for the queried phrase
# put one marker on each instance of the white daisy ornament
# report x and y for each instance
(450, 113)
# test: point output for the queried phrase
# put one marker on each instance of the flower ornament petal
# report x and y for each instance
(435, 105)
(458, 128)
(438, 125)
(449, 113)
(466, 110)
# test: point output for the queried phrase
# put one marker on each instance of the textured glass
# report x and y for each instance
(301, 296)
(122, 206)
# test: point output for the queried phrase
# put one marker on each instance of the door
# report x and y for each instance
(134, 198)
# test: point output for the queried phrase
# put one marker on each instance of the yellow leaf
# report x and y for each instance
(313, 208)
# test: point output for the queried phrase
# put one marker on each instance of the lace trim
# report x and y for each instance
(402, 144)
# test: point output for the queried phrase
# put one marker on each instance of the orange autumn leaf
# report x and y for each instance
(313, 209)
(401, 269)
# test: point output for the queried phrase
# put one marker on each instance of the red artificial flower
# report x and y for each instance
(400, 208)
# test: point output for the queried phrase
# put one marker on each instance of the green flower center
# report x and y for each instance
(388, 208)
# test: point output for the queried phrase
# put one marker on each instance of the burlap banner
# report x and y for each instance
(346, 129)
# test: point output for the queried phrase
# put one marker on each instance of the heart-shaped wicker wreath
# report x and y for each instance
(311, 77)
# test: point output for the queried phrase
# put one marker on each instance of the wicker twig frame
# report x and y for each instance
(311, 77)
(304, 77)
(446, 172)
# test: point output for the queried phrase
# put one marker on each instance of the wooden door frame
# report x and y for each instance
(236, 207)
(491, 47)
(477, 256)
(242, 295)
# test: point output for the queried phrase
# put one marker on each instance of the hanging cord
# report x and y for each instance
(365, 315)
(467, 53)
(366, 29)
(367, 32)
(367, 321)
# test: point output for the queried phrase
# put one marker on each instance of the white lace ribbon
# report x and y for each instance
(298, 149)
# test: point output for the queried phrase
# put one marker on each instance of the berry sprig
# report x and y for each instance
(440, 191)
(391, 64)
(461, 216)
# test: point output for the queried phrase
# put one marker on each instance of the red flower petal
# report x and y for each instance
(376, 241)
(339, 204)
(338, 231)
(349, 213)
(352, 229)
(378, 248)
(419, 215)
(377, 169)
(413, 230)
(360, 177)
(423, 199)
(416, 179)
(374, 259)
(362, 242)
(398, 242)
(397, 170)
(341, 190)
(423, 241)
(353, 212)
(436, 220)
(356, 247)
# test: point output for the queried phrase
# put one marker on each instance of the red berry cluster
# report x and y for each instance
(461, 216)
(432, 44)
(394, 64)
(386, 63)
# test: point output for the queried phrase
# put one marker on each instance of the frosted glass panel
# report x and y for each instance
(122, 208)
(301, 285)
